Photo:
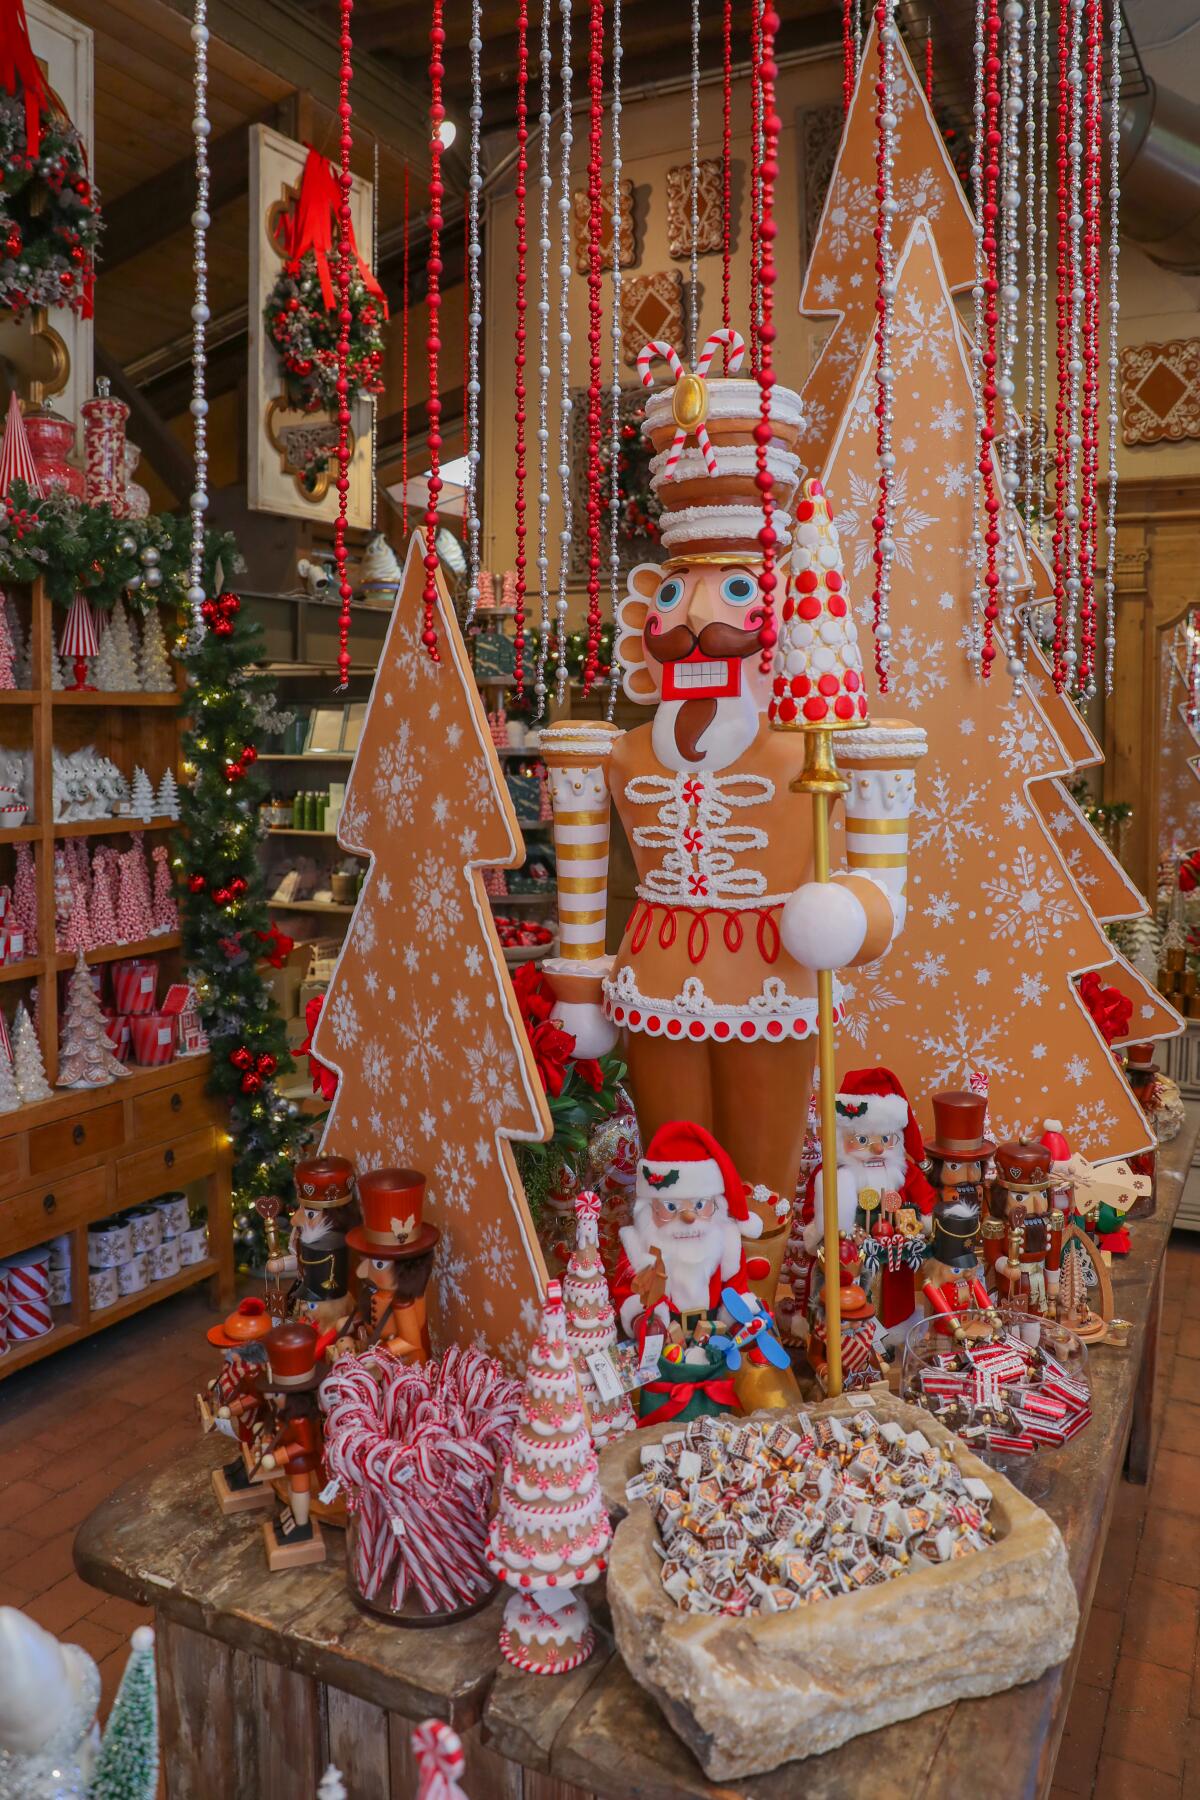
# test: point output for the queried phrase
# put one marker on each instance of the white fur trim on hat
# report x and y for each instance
(884, 1112)
(699, 1180)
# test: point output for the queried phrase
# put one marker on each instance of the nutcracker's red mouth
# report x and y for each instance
(701, 678)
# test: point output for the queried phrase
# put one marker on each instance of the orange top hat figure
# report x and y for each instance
(397, 1246)
(248, 1323)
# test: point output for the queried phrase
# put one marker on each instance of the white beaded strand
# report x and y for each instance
(1075, 337)
(977, 293)
(1031, 250)
(1008, 324)
(614, 474)
(1114, 314)
(561, 672)
(198, 406)
(545, 183)
(694, 261)
(475, 306)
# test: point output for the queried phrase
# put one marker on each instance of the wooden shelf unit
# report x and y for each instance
(83, 1154)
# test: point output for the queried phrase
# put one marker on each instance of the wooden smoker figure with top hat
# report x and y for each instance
(316, 1255)
(715, 984)
(293, 1448)
(235, 1403)
(397, 1247)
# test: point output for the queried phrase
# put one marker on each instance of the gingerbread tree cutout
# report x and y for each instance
(840, 280)
(982, 977)
(1178, 824)
(420, 1021)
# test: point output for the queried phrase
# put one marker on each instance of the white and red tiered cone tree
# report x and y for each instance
(551, 1532)
(591, 1323)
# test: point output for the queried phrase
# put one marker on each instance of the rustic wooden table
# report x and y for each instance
(263, 1678)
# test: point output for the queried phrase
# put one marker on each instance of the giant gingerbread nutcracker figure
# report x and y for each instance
(714, 984)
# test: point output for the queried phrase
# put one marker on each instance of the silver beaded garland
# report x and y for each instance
(198, 504)
(614, 471)
(977, 292)
(545, 183)
(561, 672)
(1074, 336)
(1114, 313)
(1012, 84)
(475, 309)
(1043, 277)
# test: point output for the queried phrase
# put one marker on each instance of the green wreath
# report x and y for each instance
(49, 215)
(305, 333)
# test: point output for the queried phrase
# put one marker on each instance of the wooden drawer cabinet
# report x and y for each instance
(56, 1146)
(171, 1110)
(54, 1206)
(150, 1172)
(10, 1164)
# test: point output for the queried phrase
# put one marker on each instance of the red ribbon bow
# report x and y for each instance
(1189, 872)
(19, 69)
(1111, 1010)
(324, 1081)
(311, 225)
(720, 1391)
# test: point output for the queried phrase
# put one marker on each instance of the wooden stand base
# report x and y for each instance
(231, 1498)
(290, 1546)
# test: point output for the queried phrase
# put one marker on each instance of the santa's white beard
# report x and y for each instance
(691, 1254)
(733, 729)
(886, 1175)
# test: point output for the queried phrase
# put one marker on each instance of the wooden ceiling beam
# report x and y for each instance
(303, 51)
(161, 206)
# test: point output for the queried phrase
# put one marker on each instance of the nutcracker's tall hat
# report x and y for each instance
(705, 467)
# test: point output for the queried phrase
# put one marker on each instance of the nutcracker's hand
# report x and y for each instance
(824, 925)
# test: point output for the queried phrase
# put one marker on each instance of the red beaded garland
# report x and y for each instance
(594, 393)
(1090, 411)
(1064, 282)
(849, 70)
(433, 342)
(768, 25)
(404, 369)
(882, 317)
(726, 170)
(522, 279)
(929, 65)
(755, 178)
(991, 290)
(345, 181)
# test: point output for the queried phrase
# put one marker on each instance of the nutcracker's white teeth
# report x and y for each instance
(700, 674)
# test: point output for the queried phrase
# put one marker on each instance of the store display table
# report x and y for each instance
(263, 1678)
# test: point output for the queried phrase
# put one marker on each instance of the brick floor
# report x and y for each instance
(77, 1425)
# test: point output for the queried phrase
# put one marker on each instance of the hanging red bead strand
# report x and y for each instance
(346, 178)
(991, 291)
(849, 70)
(433, 342)
(404, 370)
(1090, 409)
(929, 65)
(755, 178)
(1063, 383)
(769, 170)
(595, 393)
(522, 309)
(727, 171)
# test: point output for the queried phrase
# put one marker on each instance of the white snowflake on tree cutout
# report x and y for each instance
(949, 820)
(1030, 901)
(910, 522)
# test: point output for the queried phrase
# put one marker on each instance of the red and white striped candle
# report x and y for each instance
(28, 1287)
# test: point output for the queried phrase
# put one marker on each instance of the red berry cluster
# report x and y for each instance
(237, 766)
(254, 1070)
(433, 342)
(522, 282)
(594, 392)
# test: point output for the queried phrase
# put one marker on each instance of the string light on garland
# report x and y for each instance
(198, 406)
(1114, 312)
(545, 183)
(595, 394)
(474, 310)
(433, 342)
(562, 672)
(615, 440)
(520, 358)
(885, 159)
(768, 172)
(345, 319)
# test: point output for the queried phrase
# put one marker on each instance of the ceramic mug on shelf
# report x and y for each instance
(59, 1252)
(103, 1288)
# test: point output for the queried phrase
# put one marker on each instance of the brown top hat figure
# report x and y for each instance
(392, 1202)
(248, 1323)
(325, 1181)
(958, 1127)
(1023, 1167)
(295, 1352)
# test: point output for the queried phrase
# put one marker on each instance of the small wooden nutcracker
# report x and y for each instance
(963, 1308)
(1027, 1272)
(317, 1254)
(957, 1153)
(861, 1361)
(235, 1403)
(397, 1248)
(296, 1354)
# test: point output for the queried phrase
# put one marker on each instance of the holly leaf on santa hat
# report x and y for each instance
(660, 1181)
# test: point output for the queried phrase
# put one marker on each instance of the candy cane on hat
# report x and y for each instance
(440, 1761)
(726, 335)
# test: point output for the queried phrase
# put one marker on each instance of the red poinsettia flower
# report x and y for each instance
(589, 1070)
(324, 1081)
(534, 994)
(552, 1047)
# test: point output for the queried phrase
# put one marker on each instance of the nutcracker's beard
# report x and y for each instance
(710, 731)
(887, 1173)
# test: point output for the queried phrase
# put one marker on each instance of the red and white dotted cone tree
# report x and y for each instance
(551, 1532)
(25, 897)
(996, 928)
(134, 918)
(591, 1323)
(165, 908)
(420, 1021)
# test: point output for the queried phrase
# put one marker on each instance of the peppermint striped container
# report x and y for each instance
(28, 1285)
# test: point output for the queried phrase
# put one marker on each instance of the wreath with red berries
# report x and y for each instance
(305, 333)
(49, 214)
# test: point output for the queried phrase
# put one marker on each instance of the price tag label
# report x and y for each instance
(651, 1351)
(330, 1492)
(608, 1382)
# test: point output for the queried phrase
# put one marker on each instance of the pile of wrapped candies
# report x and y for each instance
(764, 1518)
(1006, 1396)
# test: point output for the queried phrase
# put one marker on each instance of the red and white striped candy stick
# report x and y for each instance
(656, 347)
(440, 1761)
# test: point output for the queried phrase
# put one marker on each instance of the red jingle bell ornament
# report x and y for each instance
(241, 1058)
(251, 1083)
(196, 884)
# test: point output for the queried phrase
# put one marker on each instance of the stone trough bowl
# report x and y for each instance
(748, 1694)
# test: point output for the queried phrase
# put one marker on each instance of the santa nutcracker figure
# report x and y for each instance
(714, 983)
(1027, 1272)
(296, 1358)
(317, 1254)
(397, 1248)
(957, 1154)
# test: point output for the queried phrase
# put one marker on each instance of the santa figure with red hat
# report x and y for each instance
(881, 1190)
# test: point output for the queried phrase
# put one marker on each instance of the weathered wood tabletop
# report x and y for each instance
(263, 1677)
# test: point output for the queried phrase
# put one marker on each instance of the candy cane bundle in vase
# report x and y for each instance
(417, 1449)
(551, 1533)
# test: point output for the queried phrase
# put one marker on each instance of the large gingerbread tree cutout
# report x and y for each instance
(420, 1021)
(840, 280)
(982, 976)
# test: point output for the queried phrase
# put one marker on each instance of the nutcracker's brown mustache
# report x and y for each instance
(715, 639)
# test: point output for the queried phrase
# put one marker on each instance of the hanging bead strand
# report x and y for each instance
(342, 288)
(849, 61)
(198, 406)
(1029, 119)
(404, 368)
(978, 559)
(755, 179)
(1041, 306)
(885, 159)
(1062, 373)
(726, 170)
(433, 342)
(474, 307)
(1008, 332)
(768, 173)
(1093, 104)
(694, 220)
(1076, 299)
(595, 391)
(1114, 313)
(561, 672)
(614, 443)
(991, 290)
(545, 183)
(520, 359)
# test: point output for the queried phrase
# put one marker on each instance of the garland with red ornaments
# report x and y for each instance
(768, 168)
(226, 930)
(49, 206)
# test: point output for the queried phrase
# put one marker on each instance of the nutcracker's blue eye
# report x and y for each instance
(669, 594)
(739, 590)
